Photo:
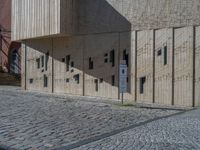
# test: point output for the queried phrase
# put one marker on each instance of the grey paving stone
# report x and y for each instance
(31, 120)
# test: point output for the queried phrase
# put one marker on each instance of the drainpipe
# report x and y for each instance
(0, 47)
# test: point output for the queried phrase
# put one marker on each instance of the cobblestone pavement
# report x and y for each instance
(181, 132)
(31, 120)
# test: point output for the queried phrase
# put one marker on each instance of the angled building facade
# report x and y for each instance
(76, 46)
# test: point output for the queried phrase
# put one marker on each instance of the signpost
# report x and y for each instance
(123, 79)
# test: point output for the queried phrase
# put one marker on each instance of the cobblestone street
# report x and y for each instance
(30, 120)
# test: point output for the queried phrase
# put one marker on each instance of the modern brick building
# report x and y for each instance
(76, 46)
(9, 51)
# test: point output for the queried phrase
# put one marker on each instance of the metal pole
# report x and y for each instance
(52, 51)
(119, 66)
(194, 66)
(136, 32)
(0, 48)
(25, 65)
(122, 98)
(154, 38)
(173, 60)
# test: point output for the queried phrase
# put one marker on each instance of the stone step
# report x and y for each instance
(9, 79)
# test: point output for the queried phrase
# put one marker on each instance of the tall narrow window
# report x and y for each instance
(42, 61)
(91, 64)
(45, 81)
(165, 55)
(67, 62)
(67, 80)
(46, 61)
(142, 82)
(113, 80)
(106, 58)
(126, 57)
(112, 57)
(77, 78)
(38, 63)
(96, 85)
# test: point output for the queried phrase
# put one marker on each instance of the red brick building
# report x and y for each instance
(9, 51)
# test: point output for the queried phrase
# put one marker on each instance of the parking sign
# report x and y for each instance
(123, 78)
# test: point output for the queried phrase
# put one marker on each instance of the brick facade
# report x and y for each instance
(6, 46)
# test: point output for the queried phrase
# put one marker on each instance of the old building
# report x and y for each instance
(76, 46)
(9, 51)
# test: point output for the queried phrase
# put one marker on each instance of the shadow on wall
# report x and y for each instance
(98, 16)
(103, 38)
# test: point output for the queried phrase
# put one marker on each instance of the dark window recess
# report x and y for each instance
(126, 57)
(63, 59)
(165, 55)
(106, 60)
(45, 81)
(112, 57)
(31, 81)
(42, 60)
(72, 64)
(96, 85)
(46, 60)
(67, 62)
(77, 78)
(38, 62)
(101, 80)
(67, 80)
(113, 80)
(127, 79)
(142, 82)
(159, 52)
(91, 64)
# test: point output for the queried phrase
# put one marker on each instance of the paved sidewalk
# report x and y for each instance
(31, 120)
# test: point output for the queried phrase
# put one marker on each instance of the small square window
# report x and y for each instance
(31, 81)
(159, 52)
(72, 64)
(67, 80)
(105, 60)
(63, 59)
(101, 80)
